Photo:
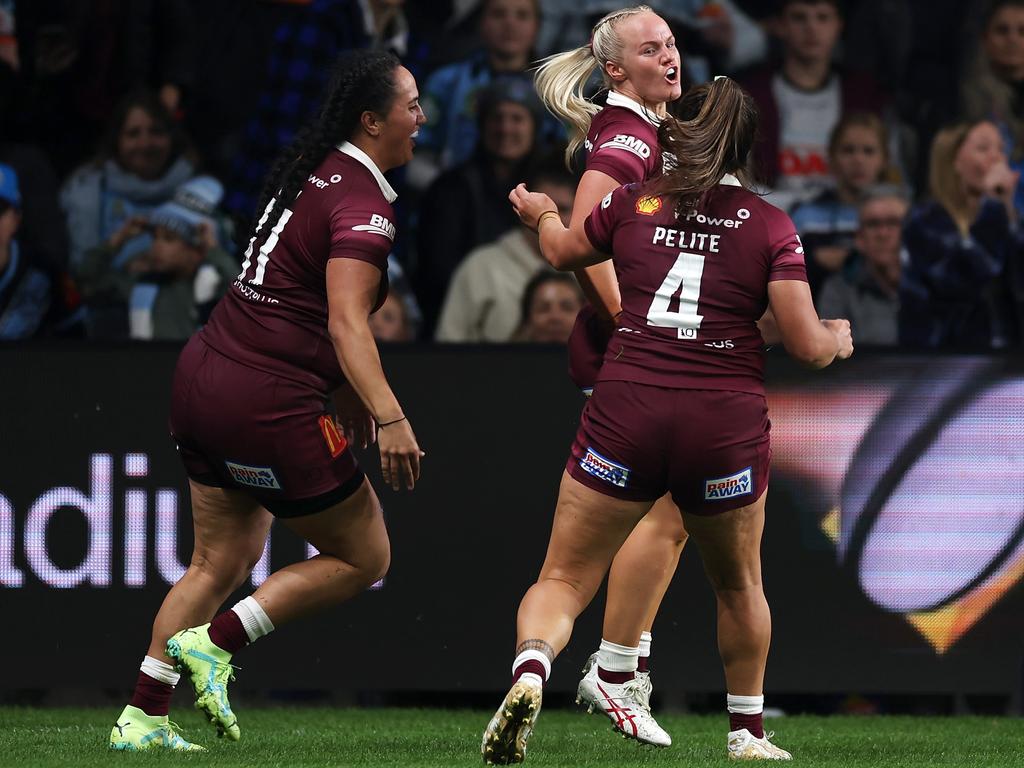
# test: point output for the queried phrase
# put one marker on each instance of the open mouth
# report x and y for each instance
(672, 74)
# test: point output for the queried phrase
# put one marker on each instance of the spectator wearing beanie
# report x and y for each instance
(24, 290)
(168, 291)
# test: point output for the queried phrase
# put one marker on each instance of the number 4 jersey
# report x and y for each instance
(693, 288)
(274, 318)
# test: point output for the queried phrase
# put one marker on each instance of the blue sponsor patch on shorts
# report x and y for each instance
(253, 477)
(740, 484)
(604, 469)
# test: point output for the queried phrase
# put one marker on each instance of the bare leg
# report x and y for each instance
(641, 572)
(588, 530)
(354, 553)
(230, 532)
(730, 545)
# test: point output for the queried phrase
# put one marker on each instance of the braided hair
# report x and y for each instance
(362, 81)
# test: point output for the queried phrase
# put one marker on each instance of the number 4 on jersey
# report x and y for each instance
(682, 280)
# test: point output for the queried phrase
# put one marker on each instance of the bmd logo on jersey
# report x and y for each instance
(729, 487)
(254, 477)
(630, 144)
(604, 469)
(648, 205)
(379, 225)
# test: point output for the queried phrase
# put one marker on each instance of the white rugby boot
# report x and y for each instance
(505, 737)
(743, 745)
(627, 705)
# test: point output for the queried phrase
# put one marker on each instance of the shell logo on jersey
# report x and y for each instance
(729, 487)
(648, 205)
(254, 477)
(604, 469)
(379, 225)
(629, 143)
(336, 442)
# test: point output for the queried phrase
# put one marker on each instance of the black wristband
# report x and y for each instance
(389, 423)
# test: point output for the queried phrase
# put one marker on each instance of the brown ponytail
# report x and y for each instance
(712, 136)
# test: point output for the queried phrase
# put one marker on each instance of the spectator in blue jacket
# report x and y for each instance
(963, 285)
(24, 289)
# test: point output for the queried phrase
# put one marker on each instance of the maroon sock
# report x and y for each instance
(227, 632)
(152, 696)
(642, 664)
(614, 677)
(752, 723)
(530, 665)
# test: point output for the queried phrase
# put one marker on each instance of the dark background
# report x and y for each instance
(466, 543)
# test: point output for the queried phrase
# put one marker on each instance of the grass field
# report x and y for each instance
(31, 738)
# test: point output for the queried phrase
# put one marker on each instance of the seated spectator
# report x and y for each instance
(298, 64)
(483, 301)
(551, 301)
(169, 290)
(963, 284)
(508, 31)
(994, 87)
(24, 289)
(468, 205)
(142, 160)
(801, 99)
(866, 290)
(391, 322)
(858, 158)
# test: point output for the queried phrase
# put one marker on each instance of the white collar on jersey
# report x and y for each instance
(616, 99)
(730, 181)
(352, 150)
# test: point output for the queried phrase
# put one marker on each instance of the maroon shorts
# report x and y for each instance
(708, 448)
(238, 427)
(587, 343)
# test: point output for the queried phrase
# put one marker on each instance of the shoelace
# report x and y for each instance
(635, 690)
(174, 731)
(225, 672)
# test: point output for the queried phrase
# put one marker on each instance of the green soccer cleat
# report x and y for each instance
(135, 730)
(209, 669)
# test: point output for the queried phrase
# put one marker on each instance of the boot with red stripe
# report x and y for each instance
(620, 696)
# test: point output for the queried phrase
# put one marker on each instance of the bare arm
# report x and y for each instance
(598, 281)
(805, 337)
(352, 287)
(564, 249)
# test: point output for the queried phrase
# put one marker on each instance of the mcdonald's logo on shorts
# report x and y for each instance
(336, 442)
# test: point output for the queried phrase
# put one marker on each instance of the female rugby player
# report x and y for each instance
(249, 404)
(679, 404)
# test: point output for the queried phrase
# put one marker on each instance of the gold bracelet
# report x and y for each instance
(545, 215)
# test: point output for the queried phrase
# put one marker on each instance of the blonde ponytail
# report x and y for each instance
(561, 79)
(712, 136)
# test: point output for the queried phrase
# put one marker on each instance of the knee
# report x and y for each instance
(226, 574)
(377, 563)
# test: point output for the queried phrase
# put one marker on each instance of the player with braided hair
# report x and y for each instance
(249, 402)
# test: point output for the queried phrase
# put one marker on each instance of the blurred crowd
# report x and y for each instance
(135, 134)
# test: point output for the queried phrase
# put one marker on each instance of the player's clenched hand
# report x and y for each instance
(400, 455)
(530, 205)
(841, 328)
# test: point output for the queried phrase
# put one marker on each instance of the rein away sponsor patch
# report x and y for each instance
(254, 477)
(604, 469)
(739, 484)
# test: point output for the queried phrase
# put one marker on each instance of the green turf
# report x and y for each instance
(31, 738)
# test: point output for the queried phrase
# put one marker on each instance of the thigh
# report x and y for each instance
(588, 529)
(730, 544)
(720, 452)
(230, 526)
(352, 530)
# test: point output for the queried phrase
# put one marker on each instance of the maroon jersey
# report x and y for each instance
(274, 318)
(623, 141)
(693, 288)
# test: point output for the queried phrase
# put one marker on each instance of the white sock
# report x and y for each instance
(617, 658)
(160, 671)
(645, 644)
(744, 705)
(533, 655)
(254, 618)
